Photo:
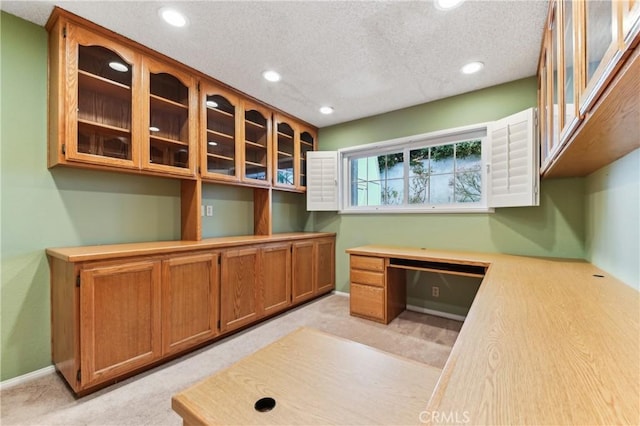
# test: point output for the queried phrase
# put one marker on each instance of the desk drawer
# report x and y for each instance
(367, 301)
(367, 263)
(366, 277)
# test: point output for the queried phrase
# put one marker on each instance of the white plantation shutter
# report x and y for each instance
(322, 181)
(513, 171)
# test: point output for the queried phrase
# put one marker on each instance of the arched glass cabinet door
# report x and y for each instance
(171, 129)
(220, 141)
(307, 144)
(284, 152)
(100, 112)
(257, 144)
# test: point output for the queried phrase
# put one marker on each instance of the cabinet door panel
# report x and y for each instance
(325, 266)
(276, 276)
(120, 319)
(307, 144)
(103, 83)
(285, 140)
(257, 144)
(189, 301)
(239, 288)
(169, 128)
(220, 140)
(303, 271)
(601, 47)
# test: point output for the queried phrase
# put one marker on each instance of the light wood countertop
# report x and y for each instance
(545, 342)
(315, 379)
(111, 251)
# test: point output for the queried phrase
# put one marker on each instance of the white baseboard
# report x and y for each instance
(340, 293)
(9, 383)
(435, 313)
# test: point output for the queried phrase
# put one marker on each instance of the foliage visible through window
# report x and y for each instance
(435, 175)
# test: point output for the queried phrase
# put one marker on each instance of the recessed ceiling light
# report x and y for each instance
(172, 17)
(154, 129)
(212, 104)
(472, 67)
(118, 66)
(212, 143)
(447, 4)
(271, 76)
(326, 110)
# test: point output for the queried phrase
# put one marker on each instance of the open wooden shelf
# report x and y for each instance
(104, 86)
(103, 128)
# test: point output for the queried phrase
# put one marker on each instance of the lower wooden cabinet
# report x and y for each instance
(275, 263)
(325, 265)
(313, 268)
(114, 313)
(190, 301)
(239, 288)
(303, 256)
(120, 326)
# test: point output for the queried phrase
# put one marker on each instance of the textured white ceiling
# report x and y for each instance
(361, 57)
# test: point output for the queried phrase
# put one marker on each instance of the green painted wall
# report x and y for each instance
(555, 228)
(613, 218)
(43, 208)
(233, 211)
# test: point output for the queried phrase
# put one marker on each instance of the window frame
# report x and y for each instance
(480, 131)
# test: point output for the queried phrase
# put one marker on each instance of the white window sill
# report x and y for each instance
(445, 210)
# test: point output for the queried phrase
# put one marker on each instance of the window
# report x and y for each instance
(469, 169)
(435, 175)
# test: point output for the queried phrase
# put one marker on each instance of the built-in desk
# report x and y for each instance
(546, 341)
(377, 278)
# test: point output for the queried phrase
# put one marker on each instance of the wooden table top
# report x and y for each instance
(546, 341)
(315, 378)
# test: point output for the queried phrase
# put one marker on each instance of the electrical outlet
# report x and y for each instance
(209, 210)
(435, 291)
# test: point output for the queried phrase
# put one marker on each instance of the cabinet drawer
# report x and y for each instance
(367, 301)
(367, 263)
(366, 277)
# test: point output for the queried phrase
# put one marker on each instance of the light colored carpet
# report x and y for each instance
(146, 398)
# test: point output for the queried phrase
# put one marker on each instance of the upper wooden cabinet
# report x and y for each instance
(291, 140)
(111, 106)
(285, 140)
(116, 104)
(256, 168)
(169, 138)
(308, 138)
(587, 80)
(95, 84)
(220, 139)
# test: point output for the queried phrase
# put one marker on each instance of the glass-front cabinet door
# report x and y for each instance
(569, 61)
(555, 81)
(601, 43)
(99, 114)
(220, 141)
(630, 20)
(257, 144)
(307, 143)
(171, 121)
(285, 141)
